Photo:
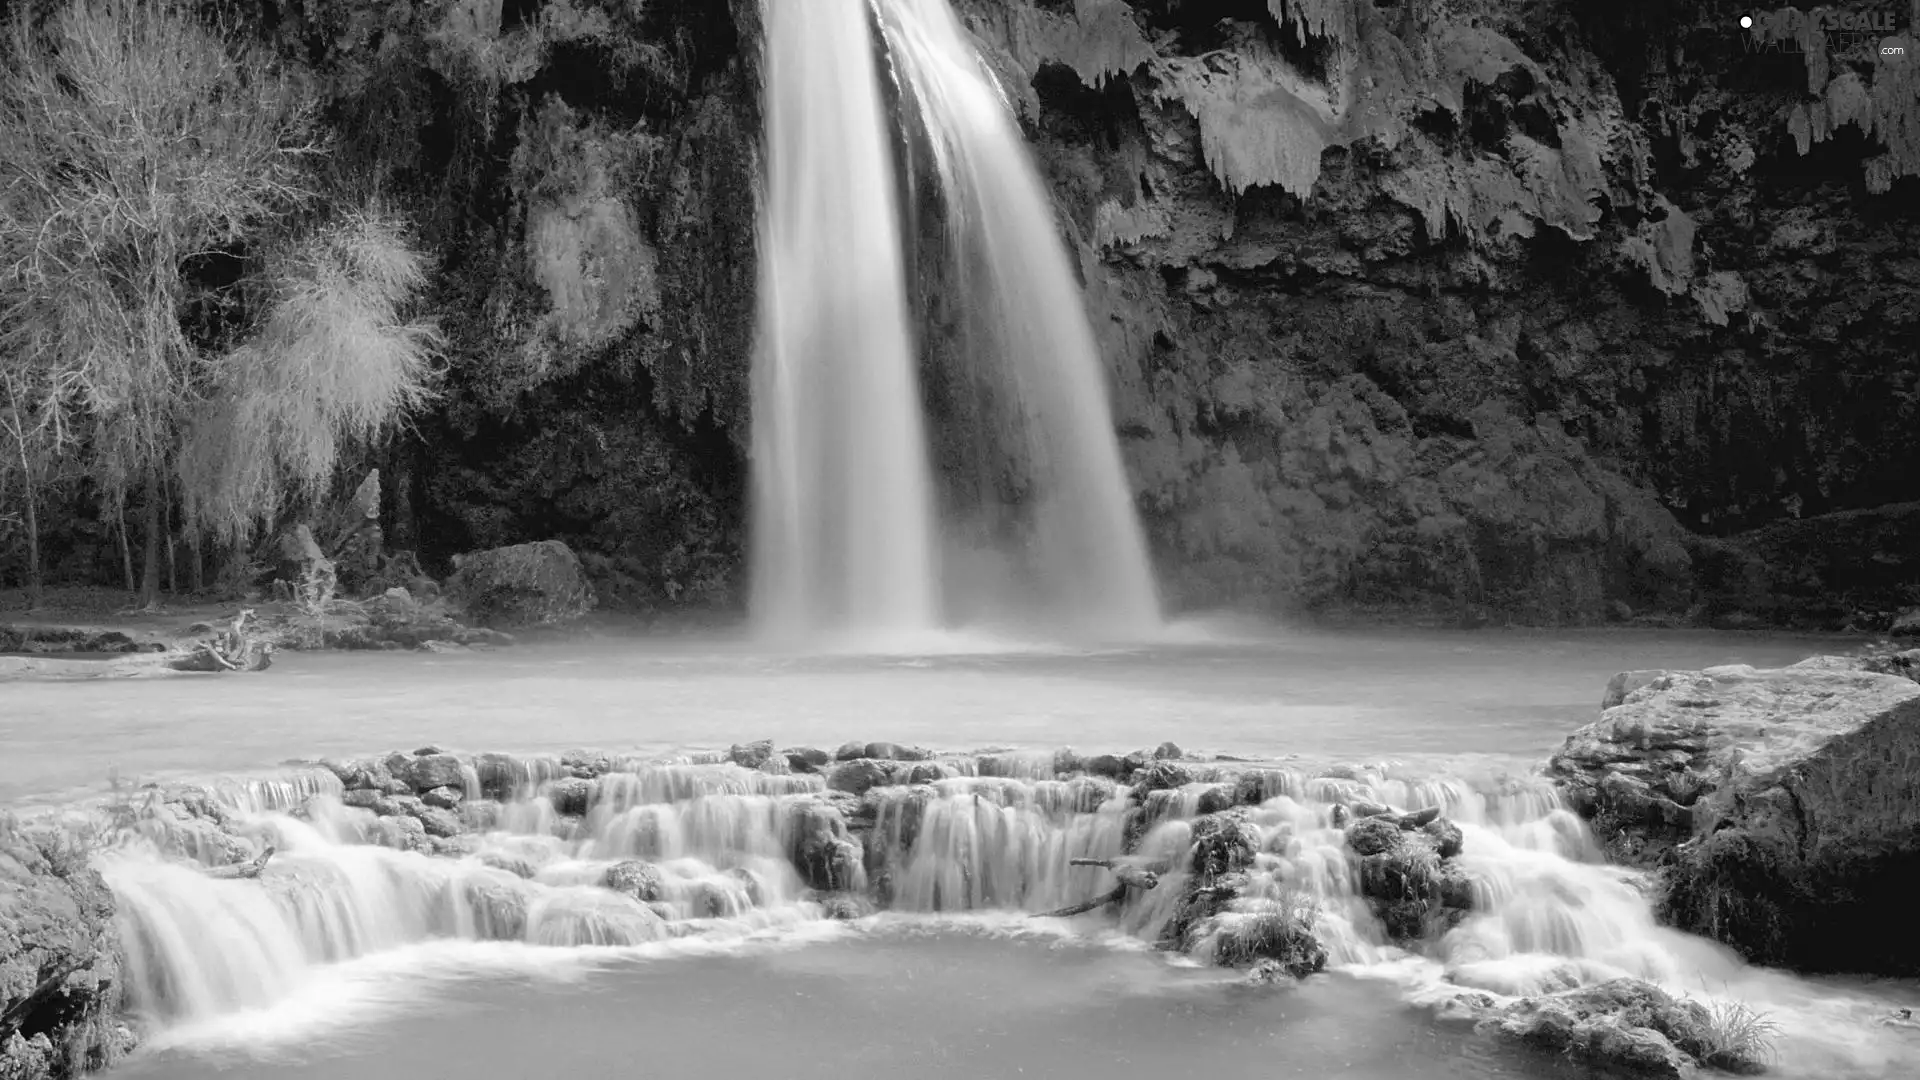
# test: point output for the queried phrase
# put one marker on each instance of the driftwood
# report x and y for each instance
(233, 650)
(244, 870)
(1130, 876)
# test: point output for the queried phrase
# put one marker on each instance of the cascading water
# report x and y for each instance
(1086, 551)
(843, 536)
(649, 856)
(844, 528)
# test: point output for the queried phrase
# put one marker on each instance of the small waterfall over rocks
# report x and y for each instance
(1473, 892)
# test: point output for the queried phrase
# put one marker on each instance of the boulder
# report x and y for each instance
(821, 848)
(438, 822)
(856, 777)
(1784, 805)
(434, 771)
(1408, 876)
(1906, 624)
(1625, 1027)
(59, 959)
(1279, 937)
(1222, 848)
(640, 880)
(524, 585)
(445, 798)
(571, 796)
(806, 759)
(886, 751)
(300, 563)
(751, 755)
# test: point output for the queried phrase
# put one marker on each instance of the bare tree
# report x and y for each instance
(137, 139)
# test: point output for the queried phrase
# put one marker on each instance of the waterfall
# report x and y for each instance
(1086, 553)
(844, 537)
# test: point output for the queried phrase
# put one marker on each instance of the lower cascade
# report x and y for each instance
(1481, 897)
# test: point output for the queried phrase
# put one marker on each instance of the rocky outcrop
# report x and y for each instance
(520, 586)
(1623, 1027)
(59, 965)
(1783, 805)
(1408, 875)
(1858, 571)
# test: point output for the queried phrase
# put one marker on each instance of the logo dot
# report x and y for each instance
(1746, 22)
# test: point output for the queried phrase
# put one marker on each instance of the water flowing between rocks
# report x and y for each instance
(584, 859)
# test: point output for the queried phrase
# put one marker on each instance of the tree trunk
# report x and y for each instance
(126, 552)
(35, 585)
(150, 562)
(198, 561)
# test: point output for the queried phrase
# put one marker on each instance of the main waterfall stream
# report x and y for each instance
(509, 955)
(845, 536)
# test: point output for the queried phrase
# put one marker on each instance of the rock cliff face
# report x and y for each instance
(59, 960)
(1784, 805)
(1477, 305)
(1470, 307)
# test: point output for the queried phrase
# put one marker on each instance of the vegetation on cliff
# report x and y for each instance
(1491, 310)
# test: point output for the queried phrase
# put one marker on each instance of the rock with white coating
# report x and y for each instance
(1785, 804)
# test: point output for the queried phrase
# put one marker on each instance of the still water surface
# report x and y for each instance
(1511, 695)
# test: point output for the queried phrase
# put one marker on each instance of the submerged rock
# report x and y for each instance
(1784, 804)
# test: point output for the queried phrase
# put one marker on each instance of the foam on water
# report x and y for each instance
(340, 930)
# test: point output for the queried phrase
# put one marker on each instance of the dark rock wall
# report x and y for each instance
(1474, 308)
(1554, 290)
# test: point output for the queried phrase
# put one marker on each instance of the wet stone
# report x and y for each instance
(640, 880)
(435, 770)
(1373, 835)
(895, 752)
(751, 755)
(446, 798)
(858, 777)
(1447, 838)
(573, 796)
(806, 759)
(438, 822)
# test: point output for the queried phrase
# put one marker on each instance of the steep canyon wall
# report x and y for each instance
(1465, 309)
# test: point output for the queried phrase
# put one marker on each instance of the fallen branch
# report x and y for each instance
(244, 870)
(1129, 875)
